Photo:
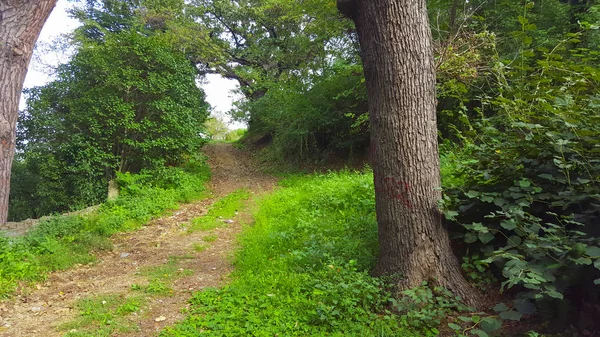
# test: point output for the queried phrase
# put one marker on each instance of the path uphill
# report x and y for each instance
(45, 310)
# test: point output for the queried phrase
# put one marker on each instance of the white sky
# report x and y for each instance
(218, 89)
(58, 23)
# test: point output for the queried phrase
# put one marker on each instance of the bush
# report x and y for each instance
(125, 104)
(524, 191)
(330, 116)
(235, 135)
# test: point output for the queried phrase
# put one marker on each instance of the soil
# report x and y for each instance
(41, 311)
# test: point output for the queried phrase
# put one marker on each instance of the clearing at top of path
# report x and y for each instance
(233, 169)
(185, 260)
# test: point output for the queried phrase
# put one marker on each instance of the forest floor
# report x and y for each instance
(73, 301)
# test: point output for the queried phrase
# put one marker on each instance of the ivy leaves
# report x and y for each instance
(527, 204)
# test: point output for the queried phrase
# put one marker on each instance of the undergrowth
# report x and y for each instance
(302, 268)
(60, 242)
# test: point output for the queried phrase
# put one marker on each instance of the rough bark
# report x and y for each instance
(453, 10)
(20, 24)
(395, 40)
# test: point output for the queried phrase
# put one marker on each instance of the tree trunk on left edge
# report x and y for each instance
(20, 24)
(396, 49)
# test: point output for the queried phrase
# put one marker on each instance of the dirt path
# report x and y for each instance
(43, 311)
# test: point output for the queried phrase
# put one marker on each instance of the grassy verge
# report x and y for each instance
(302, 269)
(108, 315)
(63, 241)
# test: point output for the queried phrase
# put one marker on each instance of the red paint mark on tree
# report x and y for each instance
(396, 189)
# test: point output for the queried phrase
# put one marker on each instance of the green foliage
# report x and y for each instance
(23, 192)
(59, 242)
(424, 309)
(235, 135)
(523, 190)
(299, 71)
(302, 269)
(305, 121)
(262, 42)
(476, 41)
(477, 270)
(215, 128)
(122, 104)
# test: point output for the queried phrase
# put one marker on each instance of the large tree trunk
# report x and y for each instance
(395, 40)
(20, 24)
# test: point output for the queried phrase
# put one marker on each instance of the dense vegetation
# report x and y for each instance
(302, 269)
(518, 102)
(517, 117)
(126, 101)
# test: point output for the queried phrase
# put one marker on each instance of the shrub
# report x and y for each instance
(524, 191)
(124, 104)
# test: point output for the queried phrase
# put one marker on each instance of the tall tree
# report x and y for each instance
(395, 40)
(20, 24)
(127, 103)
(264, 41)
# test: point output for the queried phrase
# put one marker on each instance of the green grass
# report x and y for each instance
(110, 314)
(456, 165)
(161, 277)
(103, 316)
(200, 247)
(303, 268)
(210, 238)
(60, 242)
(223, 209)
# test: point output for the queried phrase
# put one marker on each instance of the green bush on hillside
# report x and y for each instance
(329, 116)
(125, 104)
